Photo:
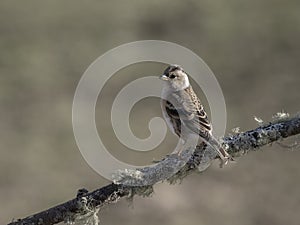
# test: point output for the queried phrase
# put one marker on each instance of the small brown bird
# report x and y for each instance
(182, 109)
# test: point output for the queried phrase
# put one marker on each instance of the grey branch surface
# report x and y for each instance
(87, 204)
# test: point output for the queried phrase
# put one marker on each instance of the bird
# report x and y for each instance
(182, 110)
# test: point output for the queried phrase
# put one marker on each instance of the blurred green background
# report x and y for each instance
(45, 47)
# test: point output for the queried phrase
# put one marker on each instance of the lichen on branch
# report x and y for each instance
(88, 203)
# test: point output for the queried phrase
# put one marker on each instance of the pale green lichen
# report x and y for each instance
(236, 130)
(259, 121)
(151, 175)
(87, 215)
(89, 218)
(263, 137)
(280, 116)
(145, 191)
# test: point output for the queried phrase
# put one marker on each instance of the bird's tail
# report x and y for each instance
(223, 154)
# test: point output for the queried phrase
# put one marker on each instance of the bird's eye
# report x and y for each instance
(172, 76)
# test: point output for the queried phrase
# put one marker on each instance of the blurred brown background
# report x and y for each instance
(45, 46)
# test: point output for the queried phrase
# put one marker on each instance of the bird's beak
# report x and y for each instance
(163, 77)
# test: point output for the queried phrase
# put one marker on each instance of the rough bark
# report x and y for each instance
(87, 203)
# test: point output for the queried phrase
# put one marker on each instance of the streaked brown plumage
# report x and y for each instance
(181, 107)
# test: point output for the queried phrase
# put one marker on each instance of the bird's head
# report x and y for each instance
(175, 77)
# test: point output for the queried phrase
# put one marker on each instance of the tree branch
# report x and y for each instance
(86, 204)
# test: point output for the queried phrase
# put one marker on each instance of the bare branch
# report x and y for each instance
(87, 203)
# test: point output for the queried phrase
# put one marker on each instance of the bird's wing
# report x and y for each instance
(173, 119)
(189, 111)
(198, 122)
